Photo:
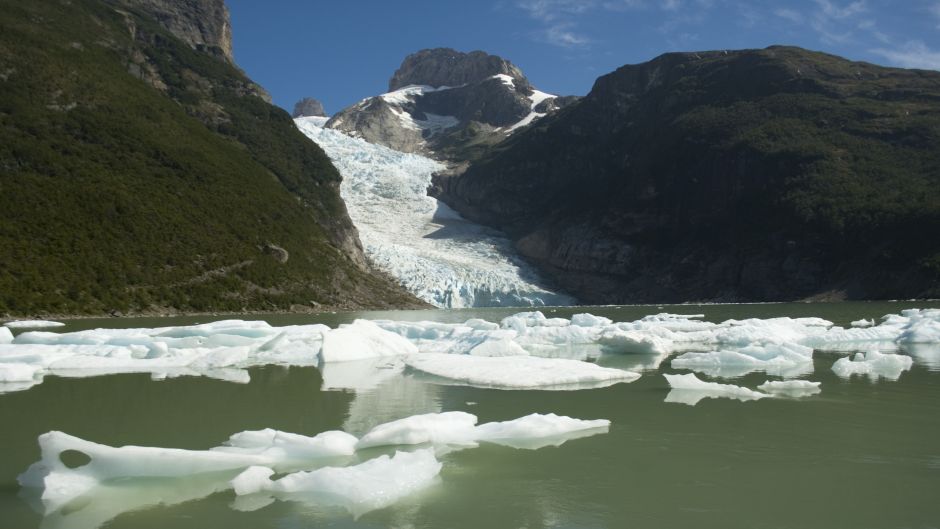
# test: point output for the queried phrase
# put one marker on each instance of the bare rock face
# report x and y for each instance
(446, 67)
(203, 24)
(308, 107)
(448, 105)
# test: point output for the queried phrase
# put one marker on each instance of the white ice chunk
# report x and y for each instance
(639, 342)
(589, 320)
(361, 488)
(18, 372)
(252, 480)
(6, 335)
(61, 484)
(537, 430)
(453, 427)
(32, 324)
(287, 448)
(778, 359)
(792, 388)
(360, 340)
(874, 364)
(863, 323)
(518, 372)
(689, 389)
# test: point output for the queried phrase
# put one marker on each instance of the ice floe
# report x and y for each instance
(786, 359)
(518, 372)
(460, 429)
(874, 364)
(32, 324)
(689, 389)
(790, 388)
(361, 488)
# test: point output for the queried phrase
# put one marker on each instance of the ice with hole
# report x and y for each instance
(689, 389)
(60, 484)
(874, 364)
(247, 460)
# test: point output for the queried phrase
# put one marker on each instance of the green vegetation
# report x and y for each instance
(138, 174)
(751, 175)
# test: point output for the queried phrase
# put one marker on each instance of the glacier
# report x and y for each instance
(434, 252)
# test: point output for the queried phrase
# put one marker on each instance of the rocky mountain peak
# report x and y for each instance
(308, 107)
(203, 24)
(447, 67)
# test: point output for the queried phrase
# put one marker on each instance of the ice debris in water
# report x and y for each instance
(874, 364)
(248, 460)
(790, 388)
(460, 428)
(518, 372)
(689, 389)
(224, 349)
(32, 324)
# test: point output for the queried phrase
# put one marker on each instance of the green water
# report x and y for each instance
(858, 455)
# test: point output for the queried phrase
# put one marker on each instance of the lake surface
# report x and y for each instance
(861, 454)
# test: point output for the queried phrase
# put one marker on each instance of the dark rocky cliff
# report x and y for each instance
(753, 175)
(202, 24)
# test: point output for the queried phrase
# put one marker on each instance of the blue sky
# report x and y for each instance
(343, 51)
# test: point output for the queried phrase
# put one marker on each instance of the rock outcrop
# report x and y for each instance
(449, 105)
(202, 24)
(754, 175)
(446, 67)
(308, 107)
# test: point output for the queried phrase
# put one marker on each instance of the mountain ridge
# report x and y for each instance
(753, 175)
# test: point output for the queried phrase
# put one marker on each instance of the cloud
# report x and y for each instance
(833, 22)
(935, 11)
(790, 14)
(560, 35)
(552, 10)
(913, 54)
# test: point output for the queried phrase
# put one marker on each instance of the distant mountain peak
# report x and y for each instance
(308, 107)
(448, 67)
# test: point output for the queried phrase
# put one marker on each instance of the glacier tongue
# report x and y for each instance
(435, 253)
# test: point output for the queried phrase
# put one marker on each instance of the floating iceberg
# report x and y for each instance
(460, 429)
(786, 359)
(874, 364)
(116, 479)
(453, 427)
(361, 488)
(790, 388)
(494, 353)
(689, 389)
(518, 372)
(61, 484)
(32, 324)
